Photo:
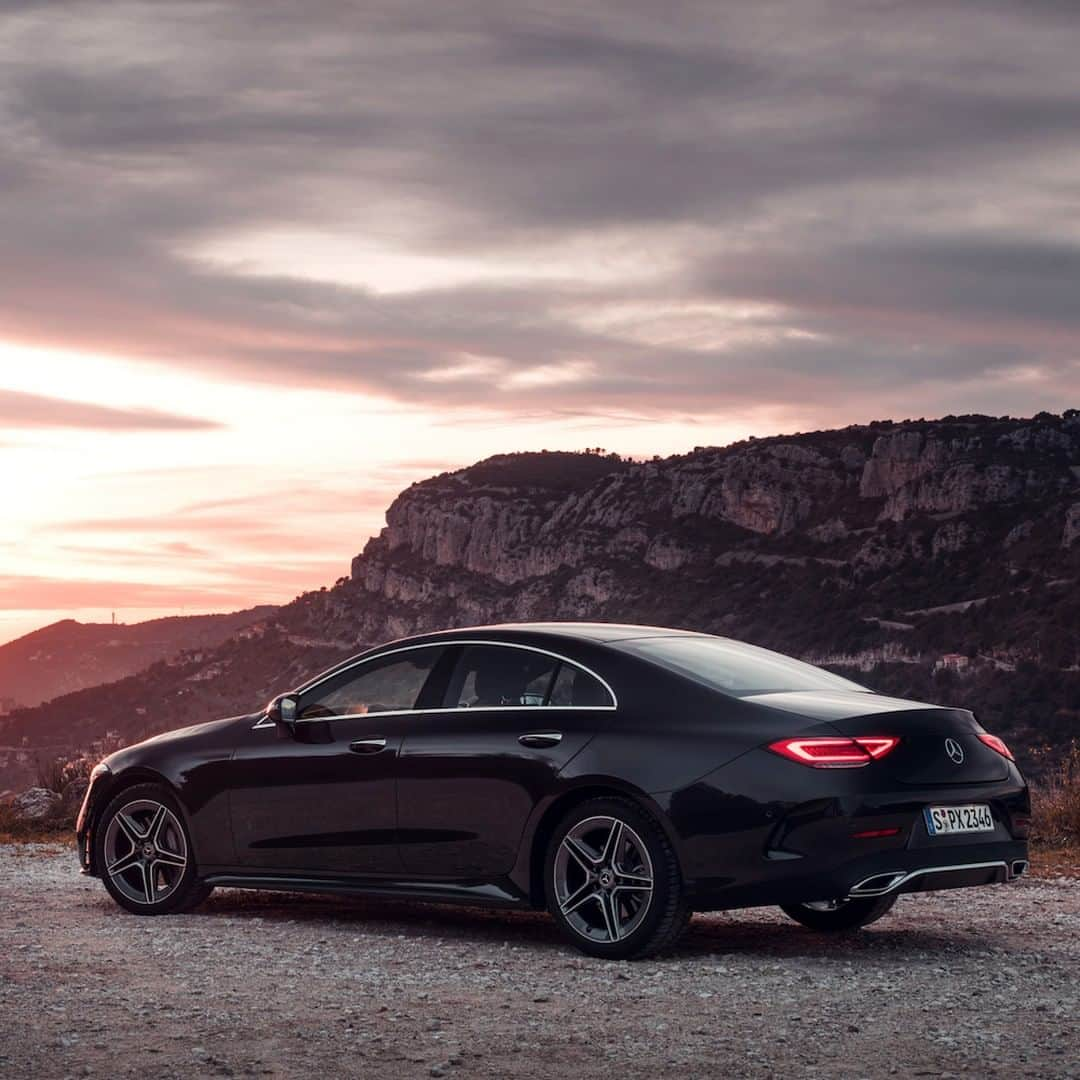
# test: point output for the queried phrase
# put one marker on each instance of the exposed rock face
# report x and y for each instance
(953, 536)
(897, 461)
(513, 535)
(921, 472)
(828, 531)
(827, 489)
(35, 803)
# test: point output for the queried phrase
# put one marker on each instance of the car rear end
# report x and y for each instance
(893, 800)
(828, 791)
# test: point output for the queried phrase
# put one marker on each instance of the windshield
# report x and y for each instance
(733, 667)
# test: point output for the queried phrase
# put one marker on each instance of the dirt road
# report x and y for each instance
(980, 982)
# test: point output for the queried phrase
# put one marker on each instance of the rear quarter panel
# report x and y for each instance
(679, 747)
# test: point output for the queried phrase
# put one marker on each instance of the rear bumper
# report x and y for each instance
(929, 878)
(861, 841)
(871, 874)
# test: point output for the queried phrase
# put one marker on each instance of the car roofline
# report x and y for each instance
(585, 633)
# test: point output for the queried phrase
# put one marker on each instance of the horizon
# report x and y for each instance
(255, 282)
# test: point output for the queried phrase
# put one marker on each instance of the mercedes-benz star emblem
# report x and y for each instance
(955, 751)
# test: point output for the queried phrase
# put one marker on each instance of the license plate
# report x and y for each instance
(943, 820)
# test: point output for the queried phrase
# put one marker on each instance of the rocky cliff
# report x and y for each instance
(852, 516)
(882, 547)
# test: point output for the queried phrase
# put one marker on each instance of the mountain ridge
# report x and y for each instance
(891, 549)
(69, 655)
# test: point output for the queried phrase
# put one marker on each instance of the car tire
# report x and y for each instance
(847, 915)
(613, 883)
(143, 851)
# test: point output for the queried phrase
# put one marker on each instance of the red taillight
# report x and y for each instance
(835, 753)
(996, 744)
(875, 834)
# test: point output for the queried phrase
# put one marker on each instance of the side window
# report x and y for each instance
(576, 687)
(499, 675)
(379, 686)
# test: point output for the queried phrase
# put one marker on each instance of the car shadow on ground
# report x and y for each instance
(758, 932)
(773, 939)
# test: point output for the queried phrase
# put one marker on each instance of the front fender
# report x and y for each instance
(195, 765)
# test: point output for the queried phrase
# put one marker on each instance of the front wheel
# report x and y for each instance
(144, 853)
(832, 915)
(613, 882)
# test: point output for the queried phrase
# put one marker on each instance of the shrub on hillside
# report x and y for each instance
(1056, 802)
(56, 773)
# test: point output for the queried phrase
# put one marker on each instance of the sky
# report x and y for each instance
(262, 265)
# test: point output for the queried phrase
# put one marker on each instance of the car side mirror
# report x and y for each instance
(282, 711)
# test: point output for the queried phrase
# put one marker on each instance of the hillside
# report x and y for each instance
(70, 655)
(877, 549)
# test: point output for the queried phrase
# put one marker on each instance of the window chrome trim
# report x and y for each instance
(265, 722)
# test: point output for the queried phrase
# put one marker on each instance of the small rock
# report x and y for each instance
(35, 803)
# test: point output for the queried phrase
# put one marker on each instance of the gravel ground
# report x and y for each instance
(982, 982)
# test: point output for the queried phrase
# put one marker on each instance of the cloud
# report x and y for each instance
(18, 409)
(820, 208)
(1025, 288)
(268, 544)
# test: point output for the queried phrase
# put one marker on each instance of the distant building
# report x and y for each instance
(953, 661)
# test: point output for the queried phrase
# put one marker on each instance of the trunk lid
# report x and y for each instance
(938, 745)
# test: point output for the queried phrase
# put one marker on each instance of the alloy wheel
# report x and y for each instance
(145, 851)
(603, 879)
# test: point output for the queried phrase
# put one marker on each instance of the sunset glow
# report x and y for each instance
(255, 281)
(272, 496)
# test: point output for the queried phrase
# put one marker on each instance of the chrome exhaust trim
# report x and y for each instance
(881, 884)
(878, 885)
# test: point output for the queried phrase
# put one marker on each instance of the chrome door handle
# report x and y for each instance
(540, 738)
(368, 746)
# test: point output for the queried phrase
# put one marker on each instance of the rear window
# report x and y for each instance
(498, 676)
(734, 668)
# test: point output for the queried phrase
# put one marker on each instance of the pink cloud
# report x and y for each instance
(18, 409)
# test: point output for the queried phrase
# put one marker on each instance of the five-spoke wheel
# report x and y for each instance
(145, 851)
(613, 881)
(144, 854)
(603, 879)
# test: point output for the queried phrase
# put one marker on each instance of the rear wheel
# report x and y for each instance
(613, 882)
(144, 853)
(832, 915)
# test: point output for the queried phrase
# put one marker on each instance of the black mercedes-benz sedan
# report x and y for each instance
(622, 777)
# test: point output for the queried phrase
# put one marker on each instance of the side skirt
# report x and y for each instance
(486, 894)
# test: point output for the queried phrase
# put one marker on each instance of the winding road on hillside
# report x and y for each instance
(978, 982)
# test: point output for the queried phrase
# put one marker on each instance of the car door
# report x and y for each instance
(470, 776)
(323, 802)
